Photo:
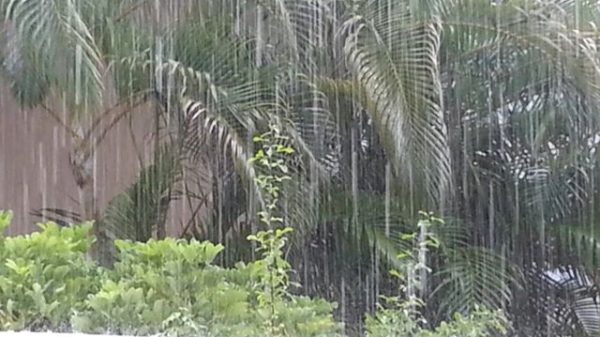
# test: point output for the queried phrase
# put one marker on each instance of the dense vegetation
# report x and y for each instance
(484, 112)
(170, 287)
(166, 286)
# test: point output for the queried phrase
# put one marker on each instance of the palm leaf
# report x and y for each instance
(565, 299)
(399, 70)
(141, 209)
(473, 276)
(61, 217)
(51, 40)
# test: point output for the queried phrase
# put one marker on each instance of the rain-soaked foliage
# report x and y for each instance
(482, 112)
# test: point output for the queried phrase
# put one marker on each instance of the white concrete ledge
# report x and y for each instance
(52, 334)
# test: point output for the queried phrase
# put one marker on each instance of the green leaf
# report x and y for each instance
(5, 220)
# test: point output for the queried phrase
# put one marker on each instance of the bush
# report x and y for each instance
(170, 286)
(167, 286)
(403, 322)
(402, 315)
(158, 284)
(45, 276)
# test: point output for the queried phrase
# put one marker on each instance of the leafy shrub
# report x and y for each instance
(167, 286)
(170, 287)
(402, 316)
(44, 276)
(282, 313)
(160, 282)
(403, 322)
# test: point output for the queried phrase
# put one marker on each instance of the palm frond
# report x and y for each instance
(59, 216)
(399, 70)
(565, 300)
(473, 276)
(140, 210)
(51, 40)
(382, 230)
(531, 50)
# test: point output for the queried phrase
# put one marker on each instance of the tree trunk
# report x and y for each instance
(82, 166)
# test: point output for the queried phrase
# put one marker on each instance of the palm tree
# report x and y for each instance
(520, 107)
(62, 51)
(515, 85)
(493, 100)
(210, 87)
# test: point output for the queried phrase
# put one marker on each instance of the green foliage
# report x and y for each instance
(162, 286)
(304, 316)
(272, 275)
(402, 315)
(170, 287)
(270, 159)
(480, 323)
(44, 276)
(281, 313)
(271, 272)
(52, 47)
(5, 219)
(158, 283)
(404, 309)
(142, 209)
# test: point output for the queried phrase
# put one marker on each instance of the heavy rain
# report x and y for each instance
(311, 168)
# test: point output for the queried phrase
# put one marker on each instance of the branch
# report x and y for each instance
(135, 145)
(203, 202)
(98, 120)
(115, 121)
(55, 116)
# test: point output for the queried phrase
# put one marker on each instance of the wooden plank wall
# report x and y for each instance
(34, 168)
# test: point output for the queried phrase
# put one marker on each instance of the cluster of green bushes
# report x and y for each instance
(167, 286)
(170, 287)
